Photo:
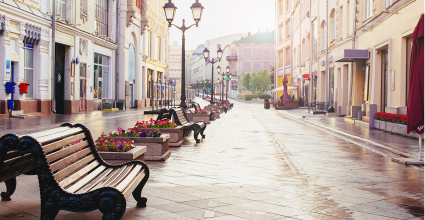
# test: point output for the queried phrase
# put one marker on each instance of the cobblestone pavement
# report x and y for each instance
(253, 164)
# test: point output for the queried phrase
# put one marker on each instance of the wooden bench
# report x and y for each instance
(72, 176)
(180, 118)
(197, 107)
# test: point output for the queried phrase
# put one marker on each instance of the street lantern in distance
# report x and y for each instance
(228, 69)
(219, 69)
(206, 53)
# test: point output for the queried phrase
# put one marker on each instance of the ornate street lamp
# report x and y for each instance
(170, 12)
(212, 61)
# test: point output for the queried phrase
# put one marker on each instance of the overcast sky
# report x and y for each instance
(221, 18)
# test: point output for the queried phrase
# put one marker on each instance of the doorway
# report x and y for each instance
(83, 86)
(132, 74)
(384, 79)
(59, 77)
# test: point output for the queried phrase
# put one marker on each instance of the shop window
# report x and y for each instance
(101, 77)
(29, 68)
(101, 17)
(388, 3)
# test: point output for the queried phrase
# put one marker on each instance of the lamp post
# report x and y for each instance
(212, 61)
(170, 11)
(227, 74)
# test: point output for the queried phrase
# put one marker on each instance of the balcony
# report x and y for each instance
(232, 58)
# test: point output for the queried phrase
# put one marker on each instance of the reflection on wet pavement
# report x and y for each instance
(253, 164)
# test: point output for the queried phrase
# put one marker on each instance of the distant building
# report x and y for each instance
(175, 64)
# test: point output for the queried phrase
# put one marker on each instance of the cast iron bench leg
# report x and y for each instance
(141, 201)
(196, 131)
(11, 187)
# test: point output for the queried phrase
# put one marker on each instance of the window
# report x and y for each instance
(288, 28)
(84, 7)
(246, 67)
(288, 5)
(299, 55)
(280, 58)
(150, 92)
(149, 43)
(101, 17)
(324, 43)
(333, 26)
(61, 9)
(408, 58)
(368, 7)
(287, 57)
(303, 51)
(158, 57)
(247, 52)
(388, 3)
(256, 67)
(101, 76)
(29, 68)
(281, 33)
(341, 19)
(257, 53)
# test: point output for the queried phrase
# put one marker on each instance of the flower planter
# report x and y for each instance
(201, 117)
(156, 147)
(216, 114)
(266, 105)
(391, 127)
(137, 153)
(176, 135)
(402, 129)
(288, 104)
(107, 106)
(376, 123)
(382, 125)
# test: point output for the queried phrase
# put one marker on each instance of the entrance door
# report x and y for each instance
(384, 79)
(59, 77)
(83, 87)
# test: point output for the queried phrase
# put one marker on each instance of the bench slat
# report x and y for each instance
(64, 183)
(96, 181)
(12, 154)
(68, 170)
(58, 144)
(15, 161)
(61, 153)
(50, 138)
(118, 180)
(48, 132)
(129, 190)
(129, 178)
(81, 183)
(111, 177)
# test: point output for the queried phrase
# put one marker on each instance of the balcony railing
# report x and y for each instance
(232, 58)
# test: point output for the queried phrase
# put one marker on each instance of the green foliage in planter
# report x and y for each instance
(248, 98)
(266, 101)
(264, 96)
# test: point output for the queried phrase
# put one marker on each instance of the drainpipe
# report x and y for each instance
(352, 66)
(53, 58)
(117, 54)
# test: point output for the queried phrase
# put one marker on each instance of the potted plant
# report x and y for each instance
(266, 104)
(118, 152)
(166, 127)
(202, 115)
(215, 112)
(107, 105)
(275, 103)
(156, 143)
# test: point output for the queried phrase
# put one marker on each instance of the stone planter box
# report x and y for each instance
(176, 135)
(391, 127)
(157, 148)
(216, 114)
(382, 125)
(376, 124)
(137, 153)
(201, 117)
(402, 129)
(288, 104)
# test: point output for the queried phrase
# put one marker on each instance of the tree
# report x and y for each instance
(245, 80)
(262, 81)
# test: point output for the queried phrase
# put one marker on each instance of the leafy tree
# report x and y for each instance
(245, 80)
(262, 81)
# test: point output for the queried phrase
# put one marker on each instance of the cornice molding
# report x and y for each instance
(76, 32)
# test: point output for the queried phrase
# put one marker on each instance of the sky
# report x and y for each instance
(221, 18)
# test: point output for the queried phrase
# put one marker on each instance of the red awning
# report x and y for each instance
(306, 76)
(415, 101)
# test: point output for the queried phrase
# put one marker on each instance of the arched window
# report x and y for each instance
(333, 28)
(324, 43)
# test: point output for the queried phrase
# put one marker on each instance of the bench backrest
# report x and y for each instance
(179, 116)
(164, 114)
(196, 106)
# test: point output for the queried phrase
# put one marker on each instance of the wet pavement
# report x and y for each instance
(253, 164)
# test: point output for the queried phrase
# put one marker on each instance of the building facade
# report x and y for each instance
(175, 64)
(89, 67)
(350, 55)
